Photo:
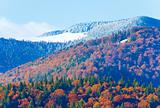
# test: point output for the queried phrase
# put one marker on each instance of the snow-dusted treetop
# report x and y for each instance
(98, 29)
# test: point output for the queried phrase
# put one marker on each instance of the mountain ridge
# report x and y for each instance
(14, 52)
(85, 27)
(108, 55)
(116, 29)
(96, 29)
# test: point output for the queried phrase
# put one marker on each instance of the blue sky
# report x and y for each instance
(63, 13)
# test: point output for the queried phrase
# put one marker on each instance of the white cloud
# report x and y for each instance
(32, 31)
(27, 31)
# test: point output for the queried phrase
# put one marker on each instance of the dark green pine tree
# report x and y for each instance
(40, 100)
(31, 104)
(80, 103)
(92, 80)
(45, 79)
(21, 87)
(158, 92)
(53, 106)
(89, 91)
(8, 102)
(122, 105)
(150, 88)
(72, 105)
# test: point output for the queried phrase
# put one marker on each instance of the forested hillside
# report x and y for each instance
(89, 92)
(131, 54)
(14, 53)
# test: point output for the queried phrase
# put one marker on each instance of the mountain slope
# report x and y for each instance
(14, 53)
(121, 25)
(77, 28)
(89, 92)
(132, 54)
(63, 38)
(75, 32)
(100, 28)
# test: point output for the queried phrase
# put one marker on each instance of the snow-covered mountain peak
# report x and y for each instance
(99, 28)
(121, 25)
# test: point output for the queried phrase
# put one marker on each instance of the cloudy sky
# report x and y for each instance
(27, 18)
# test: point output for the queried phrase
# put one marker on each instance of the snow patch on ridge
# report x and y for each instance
(65, 37)
(123, 41)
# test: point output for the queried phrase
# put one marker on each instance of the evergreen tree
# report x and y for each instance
(8, 101)
(92, 80)
(72, 105)
(89, 91)
(31, 104)
(150, 88)
(80, 103)
(40, 100)
(21, 87)
(122, 105)
(53, 106)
